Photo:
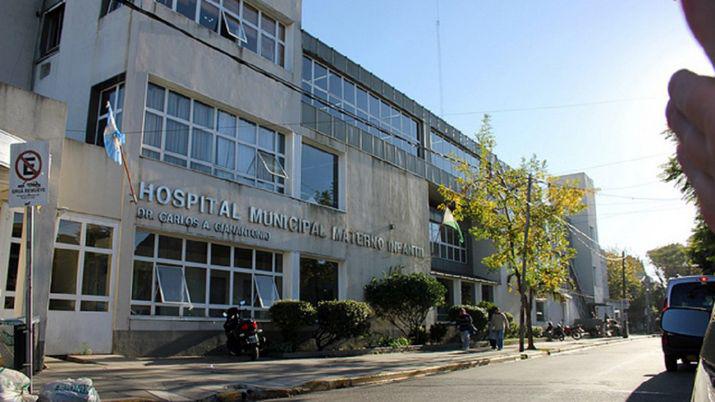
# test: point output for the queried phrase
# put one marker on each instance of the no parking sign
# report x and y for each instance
(29, 174)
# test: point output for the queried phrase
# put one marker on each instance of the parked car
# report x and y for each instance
(684, 319)
(704, 385)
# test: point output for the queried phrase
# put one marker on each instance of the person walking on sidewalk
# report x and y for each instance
(464, 325)
(498, 324)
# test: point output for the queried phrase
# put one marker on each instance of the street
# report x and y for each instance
(631, 371)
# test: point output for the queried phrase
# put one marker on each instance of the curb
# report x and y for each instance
(243, 392)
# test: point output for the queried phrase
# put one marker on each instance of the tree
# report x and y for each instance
(341, 319)
(701, 244)
(404, 300)
(672, 260)
(701, 247)
(493, 197)
(635, 272)
(643, 294)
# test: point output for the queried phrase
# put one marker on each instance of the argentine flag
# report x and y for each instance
(113, 138)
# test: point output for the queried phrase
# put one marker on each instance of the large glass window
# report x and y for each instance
(192, 134)
(81, 266)
(264, 34)
(318, 280)
(192, 278)
(444, 243)
(395, 127)
(447, 156)
(468, 293)
(488, 293)
(443, 311)
(319, 176)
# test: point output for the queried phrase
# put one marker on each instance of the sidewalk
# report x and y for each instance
(225, 378)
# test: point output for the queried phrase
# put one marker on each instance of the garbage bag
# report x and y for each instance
(15, 386)
(70, 390)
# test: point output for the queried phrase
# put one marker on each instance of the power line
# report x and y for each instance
(619, 162)
(557, 106)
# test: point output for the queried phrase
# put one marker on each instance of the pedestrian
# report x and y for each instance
(464, 325)
(491, 334)
(499, 324)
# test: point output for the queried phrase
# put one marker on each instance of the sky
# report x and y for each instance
(581, 84)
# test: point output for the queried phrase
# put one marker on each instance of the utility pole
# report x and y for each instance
(624, 319)
(522, 290)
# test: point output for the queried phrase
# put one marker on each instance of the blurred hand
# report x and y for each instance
(691, 111)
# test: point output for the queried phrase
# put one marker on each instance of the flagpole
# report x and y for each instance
(129, 177)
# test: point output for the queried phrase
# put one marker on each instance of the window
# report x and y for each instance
(447, 156)
(318, 280)
(444, 243)
(108, 6)
(540, 307)
(13, 261)
(443, 311)
(319, 176)
(194, 278)
(189, 133)
(395, 127)
(81, 266)
(239, 21)
(488, 293)
(112, 91)
(468, 293)
(51, 29)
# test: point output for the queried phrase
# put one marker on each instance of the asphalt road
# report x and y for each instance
(629, 371)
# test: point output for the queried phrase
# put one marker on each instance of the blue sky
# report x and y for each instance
(579, 83)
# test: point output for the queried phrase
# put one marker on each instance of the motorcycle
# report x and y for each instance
(576, 332)
(613, 328)
(242, 334)
(554, 332)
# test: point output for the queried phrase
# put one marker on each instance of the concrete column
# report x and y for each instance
(293, 151)
(342, 281)
(457, 291)
(291, 275)
(477, 292)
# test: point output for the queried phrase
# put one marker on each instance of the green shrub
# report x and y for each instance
(437, 332)
(341, 319)
(509, 317)
(375, 340)
(479, 315)
(397, 343)
(290, 316)
(513, 331)
(537, 331)
(488, 306)
(404, 300)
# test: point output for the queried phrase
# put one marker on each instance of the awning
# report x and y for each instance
(464, 278)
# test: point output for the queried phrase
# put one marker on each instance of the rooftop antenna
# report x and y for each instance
(439, 66)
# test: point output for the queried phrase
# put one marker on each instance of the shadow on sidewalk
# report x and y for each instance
(666, 386)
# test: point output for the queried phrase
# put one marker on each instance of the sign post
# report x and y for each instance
(29, 187)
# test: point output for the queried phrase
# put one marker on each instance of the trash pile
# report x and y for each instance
(15, 387)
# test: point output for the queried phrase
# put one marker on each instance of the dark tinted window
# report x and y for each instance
(319, 176)
(693, 295)
(318, 280)
(51, 30)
